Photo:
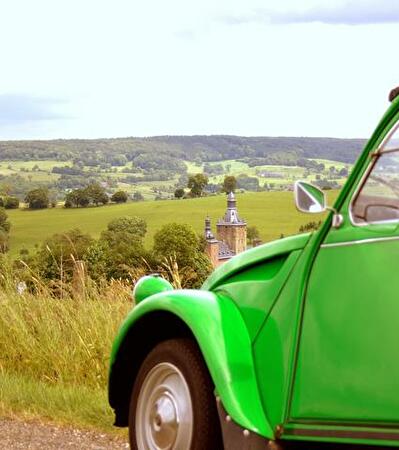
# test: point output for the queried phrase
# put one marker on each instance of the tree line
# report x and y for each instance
(171, 150)
(117, 254)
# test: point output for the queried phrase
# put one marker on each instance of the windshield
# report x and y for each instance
(378, 199)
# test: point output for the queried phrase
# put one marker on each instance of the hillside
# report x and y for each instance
(154, 167)
(273, 213)
(203, 148)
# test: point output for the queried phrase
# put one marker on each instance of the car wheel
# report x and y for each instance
(172, 405)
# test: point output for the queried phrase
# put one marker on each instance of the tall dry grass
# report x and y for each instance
(55, 344)
(60, 339)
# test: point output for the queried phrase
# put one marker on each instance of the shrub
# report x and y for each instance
(37, 198)
(119, 197)
(11, 202)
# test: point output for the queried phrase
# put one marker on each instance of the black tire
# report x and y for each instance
(186, 356)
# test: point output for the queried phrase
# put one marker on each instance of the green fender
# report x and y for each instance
(223, 338)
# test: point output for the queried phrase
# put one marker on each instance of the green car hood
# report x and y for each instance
(253, 257)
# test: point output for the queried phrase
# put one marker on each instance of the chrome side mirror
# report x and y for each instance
(309, 198)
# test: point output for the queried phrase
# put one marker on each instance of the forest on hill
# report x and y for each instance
(118, 151)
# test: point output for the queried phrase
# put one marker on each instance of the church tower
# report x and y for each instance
(212, 245)
(231, 229)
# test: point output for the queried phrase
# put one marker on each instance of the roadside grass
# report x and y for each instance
(64, 341)
(54, 354)
(27, 398)
(273, 213)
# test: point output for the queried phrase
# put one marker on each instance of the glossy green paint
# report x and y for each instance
(150, 285)
(347, 370)
(275, 346)
(301, 333)
(223, 338)
(355, 334)
(255, 290)
(255, 256)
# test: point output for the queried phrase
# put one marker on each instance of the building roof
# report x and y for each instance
(224, 251)
(231, 216)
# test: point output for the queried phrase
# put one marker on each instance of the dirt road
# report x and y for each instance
(17, 434)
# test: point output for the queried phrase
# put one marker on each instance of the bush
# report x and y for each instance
(181, 243)
(134, 225)
(4, 223)
(93, 193)
(37, 198)
(179, 193)
(11, 203)
(119, 197)
(138, 197)
(56, 259)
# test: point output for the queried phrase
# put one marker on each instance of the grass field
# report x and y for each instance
(273, 213)
(39, 380)
(286, 174)
(276, 176)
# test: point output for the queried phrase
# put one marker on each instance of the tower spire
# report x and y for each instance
(231, 215)
(208, 230)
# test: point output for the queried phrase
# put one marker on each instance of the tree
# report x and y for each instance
(4, 223)
(122, 246)
(129, 224)
(248, 183)
(77, 197)
(97, 194)
(180, 242)
(37, 198)
(196, 184)
(229, 184)
(119, 197)
(11, 203)
(56, 258)
(138, 196)
(179, 193)
(252, 233)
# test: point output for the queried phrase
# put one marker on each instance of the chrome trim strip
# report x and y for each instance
(388, 137)
(360, 241)
(344, 434)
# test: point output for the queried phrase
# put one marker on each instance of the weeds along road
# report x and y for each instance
(18, 434)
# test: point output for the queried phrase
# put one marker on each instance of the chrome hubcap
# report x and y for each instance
(164, 413)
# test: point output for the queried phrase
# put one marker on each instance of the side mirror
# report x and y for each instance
(309, 198)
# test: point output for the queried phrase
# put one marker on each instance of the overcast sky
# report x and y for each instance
(96, 68)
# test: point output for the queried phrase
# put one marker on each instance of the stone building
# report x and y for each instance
(231, 234)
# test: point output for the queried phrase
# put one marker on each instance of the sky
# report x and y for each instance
(116, 68)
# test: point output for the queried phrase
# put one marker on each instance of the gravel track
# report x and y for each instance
(34, 435)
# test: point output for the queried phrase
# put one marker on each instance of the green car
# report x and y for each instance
(297, 339)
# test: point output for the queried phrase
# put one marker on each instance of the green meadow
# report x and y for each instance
(273, 213)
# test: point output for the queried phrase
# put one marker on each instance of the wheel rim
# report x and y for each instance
(164, 412)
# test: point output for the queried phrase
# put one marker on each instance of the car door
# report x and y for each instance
(347, 368)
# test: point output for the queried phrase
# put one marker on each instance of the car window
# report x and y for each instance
(377, 200)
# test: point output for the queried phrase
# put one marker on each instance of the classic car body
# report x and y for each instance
(299, 335)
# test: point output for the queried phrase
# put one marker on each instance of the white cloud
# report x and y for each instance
(350, 12)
